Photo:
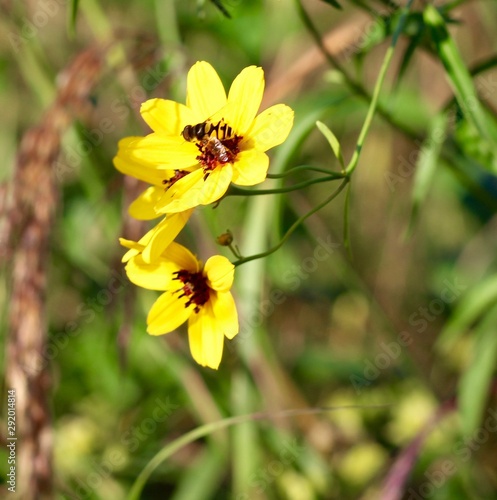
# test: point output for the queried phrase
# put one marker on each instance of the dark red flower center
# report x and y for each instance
(194, 287)
(215, 152)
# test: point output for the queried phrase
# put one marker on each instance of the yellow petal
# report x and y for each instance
(145, 173)
(129, 166)
(173, 153)
(183, 194)
(196, 339)
(143, 207)
(205, 91)
(168, 117)
(153, 276)
(168, 312)
(224, 309)
(139, 246)
(164, 233)
(244, 99)
(182, 257)
(269, 129)
(134, 248)
(220, 273)
(206, 340)
(216, 185)
(192, 190)
(250, 168)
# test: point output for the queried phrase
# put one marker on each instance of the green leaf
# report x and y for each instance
(458, 75)
(333, 3)
(426, 164)
(332, 140)
(73, 15)
(222, 8)
(475, 382)
(415, 40)
(471, 307)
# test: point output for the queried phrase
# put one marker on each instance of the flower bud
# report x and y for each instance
(225, 239)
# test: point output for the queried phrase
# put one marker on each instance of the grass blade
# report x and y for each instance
(471, 307)
(475, 382)
(458, 75)
(73, 16)
(426, 165)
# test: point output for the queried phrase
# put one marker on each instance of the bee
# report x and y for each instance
(209, 137)
(216, 148)
(220, 130)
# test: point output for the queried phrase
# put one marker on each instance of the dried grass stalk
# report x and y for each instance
(31, 217)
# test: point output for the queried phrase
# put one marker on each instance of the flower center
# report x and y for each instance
(215, 152)
(216, 142)
(194, 287)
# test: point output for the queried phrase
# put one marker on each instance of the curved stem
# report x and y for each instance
(294, 226)
(236, 191)
(371, 111)
(206, 429)
(303, 168)
(355, 86)
(376, 92)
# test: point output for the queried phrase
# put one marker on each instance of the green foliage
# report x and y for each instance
(460, 79)
(394, 329)
(333, 142)
(73, 16)
(333, 3)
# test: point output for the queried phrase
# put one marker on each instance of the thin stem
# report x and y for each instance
(329, 57)
(301, 169)
(235, 251)
(350, 82)
(209, 428)
(236, 191)
(376, 92)
(294, 226)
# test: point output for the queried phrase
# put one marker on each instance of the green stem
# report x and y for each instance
(235, 251)
(303, 168)
(376, 92)
(206, 429)
(352, 84)
(236, 191)
(360, 141)
(294, 226)
(355, 86)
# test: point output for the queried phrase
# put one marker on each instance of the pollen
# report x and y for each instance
(215, 152)
(194, 287)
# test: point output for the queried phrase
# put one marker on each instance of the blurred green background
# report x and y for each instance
(388, 297)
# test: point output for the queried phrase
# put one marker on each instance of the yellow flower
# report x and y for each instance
(199, 294)
(196, 150)
(158, 238)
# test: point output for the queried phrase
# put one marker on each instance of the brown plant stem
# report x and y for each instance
(31, 216)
